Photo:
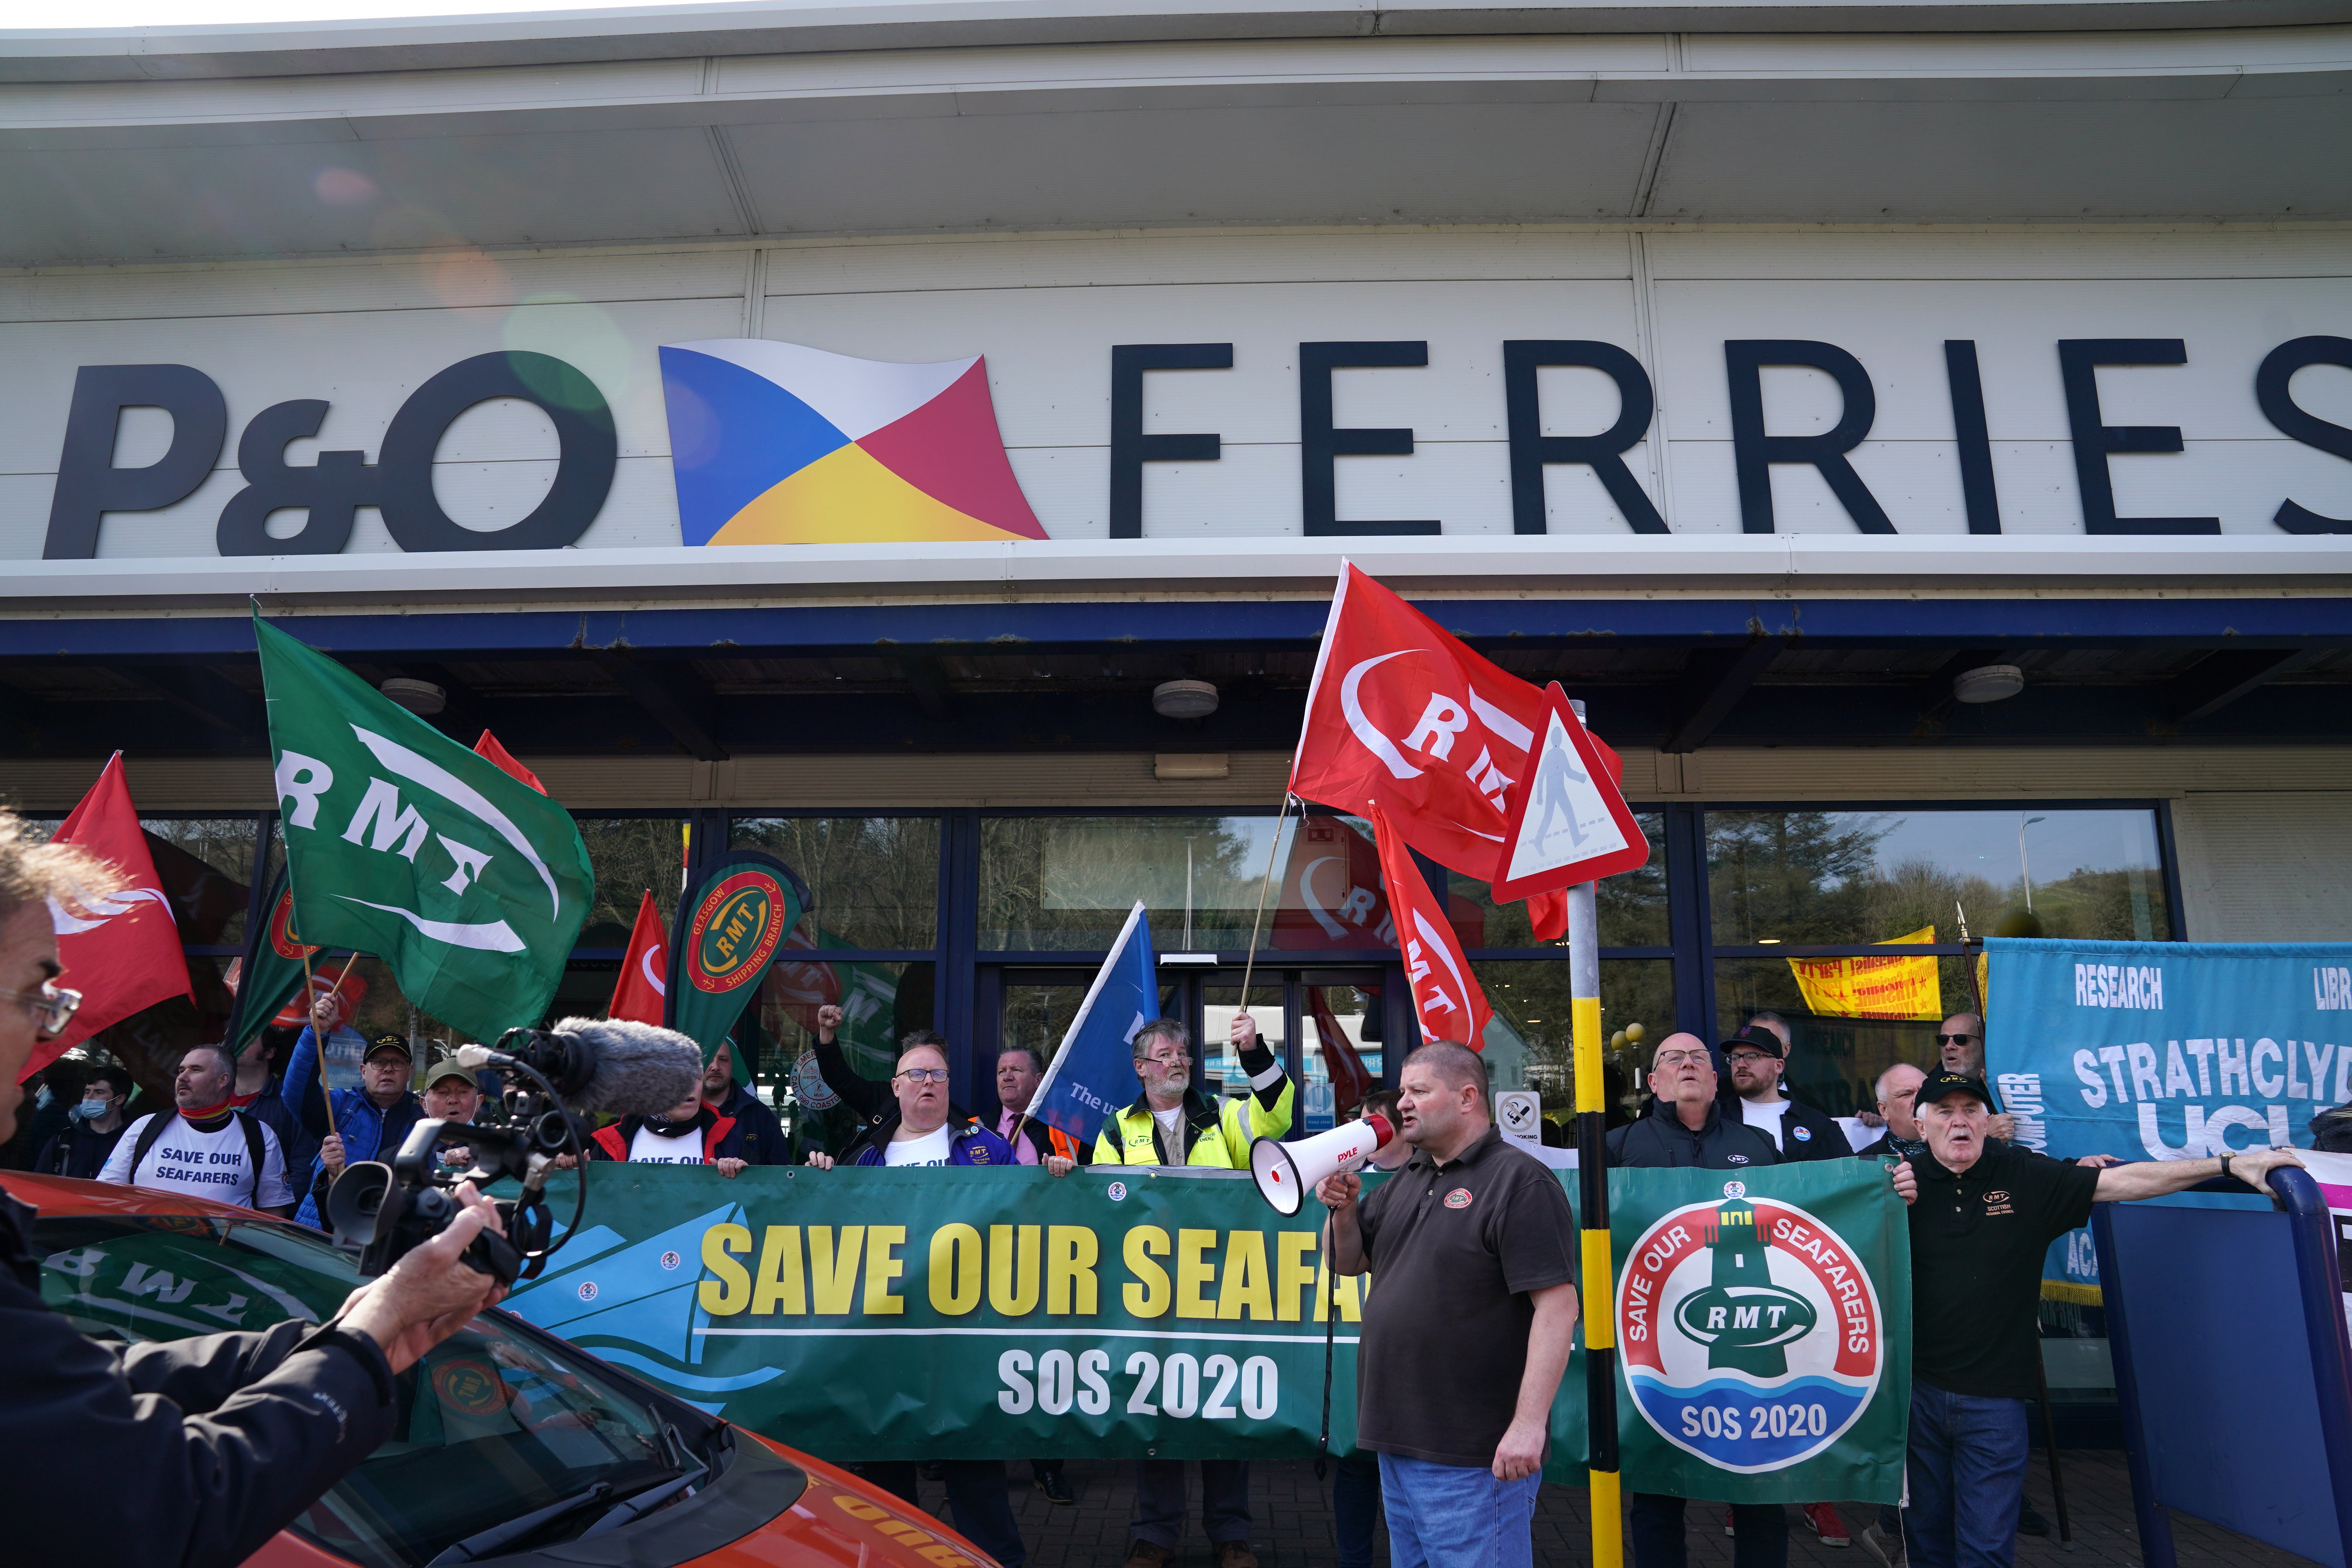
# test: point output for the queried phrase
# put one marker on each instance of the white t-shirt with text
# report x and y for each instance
(650, 1148)
(204, 1164)
(1767, 1119)
(931, 1149)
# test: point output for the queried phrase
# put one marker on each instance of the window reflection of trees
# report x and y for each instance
(1051, 882)
(1817, 876)
(876, 879)
(631, 855)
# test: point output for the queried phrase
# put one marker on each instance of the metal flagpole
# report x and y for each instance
(1592, 1185)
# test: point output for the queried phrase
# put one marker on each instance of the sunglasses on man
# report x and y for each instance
(1956, 1040)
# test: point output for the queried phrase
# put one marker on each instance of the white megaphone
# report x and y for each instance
(1286, 1172)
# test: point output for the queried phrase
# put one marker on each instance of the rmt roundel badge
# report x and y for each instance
(1752, 1337)
(735, 931)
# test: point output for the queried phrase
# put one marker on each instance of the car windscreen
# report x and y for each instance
(493, 1424)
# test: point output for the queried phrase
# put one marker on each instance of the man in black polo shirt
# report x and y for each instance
(1473, 1239)
(1986, 1214)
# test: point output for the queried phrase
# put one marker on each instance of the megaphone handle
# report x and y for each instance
(1330, 1347)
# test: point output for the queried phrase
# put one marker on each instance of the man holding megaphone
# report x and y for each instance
(1472, 1237)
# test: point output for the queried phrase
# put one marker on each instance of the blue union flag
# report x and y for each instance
(1093, 1073)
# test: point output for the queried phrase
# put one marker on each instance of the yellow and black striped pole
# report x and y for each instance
(1593, 1187)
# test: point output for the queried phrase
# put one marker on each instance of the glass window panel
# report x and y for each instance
(874, 880)
(1531, 1042)
(206, 867)
(1351, 1015)
(1824, 877)
(1633, 904)
(1834, 1060)
(879, 1003)
(1050, 883)
(631, 855)
(1221, 1064)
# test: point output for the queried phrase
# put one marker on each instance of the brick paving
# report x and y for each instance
(1294, 1523)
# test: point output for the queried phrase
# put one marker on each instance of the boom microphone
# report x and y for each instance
(604, 1065)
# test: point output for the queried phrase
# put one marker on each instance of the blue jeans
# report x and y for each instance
(1761, 1532)
(1457, 1516)
(1356, 1507)
(1967, 1479)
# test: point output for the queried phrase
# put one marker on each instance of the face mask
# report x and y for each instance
(90, 1110)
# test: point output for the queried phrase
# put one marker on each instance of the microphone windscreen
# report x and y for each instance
(637, 1069)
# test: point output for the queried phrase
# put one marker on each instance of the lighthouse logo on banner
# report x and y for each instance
(776, 444)
(1752, 1336)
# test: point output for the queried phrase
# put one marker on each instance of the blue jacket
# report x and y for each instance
(368, 1131)
(757, 1138)
(969, 1144)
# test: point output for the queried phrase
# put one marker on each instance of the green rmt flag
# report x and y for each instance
(399, 842)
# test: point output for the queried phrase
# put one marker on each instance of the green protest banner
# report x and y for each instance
(1122, 1313)
(1754, 1315)
(401, 842)
(727, 932)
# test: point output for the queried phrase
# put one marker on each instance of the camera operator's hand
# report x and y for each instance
(733, 1168)
(819, 1162)
(430, 1293)
(828, 1022)
(331, 1155)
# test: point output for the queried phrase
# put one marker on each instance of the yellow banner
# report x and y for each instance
(1873, 987)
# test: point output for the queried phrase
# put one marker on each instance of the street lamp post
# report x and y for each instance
(2024, 871)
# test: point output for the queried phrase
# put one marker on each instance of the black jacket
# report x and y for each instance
(1808, 1134)
(1660, 1139)
(872, 1103)
(226, 1438)
(757, 1138)
(79, 1151)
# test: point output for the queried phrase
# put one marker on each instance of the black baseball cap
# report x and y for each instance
(1942, 1082)
(1756, 1039)
(389, 1043)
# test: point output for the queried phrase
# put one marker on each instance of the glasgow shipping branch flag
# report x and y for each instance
(728, 928)
(399, 842)
(776, 444)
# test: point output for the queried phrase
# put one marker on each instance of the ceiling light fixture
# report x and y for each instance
(421, 697)
(1988, 683)
(1184, 698)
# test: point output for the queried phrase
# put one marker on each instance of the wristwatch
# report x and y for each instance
(2225, 1165)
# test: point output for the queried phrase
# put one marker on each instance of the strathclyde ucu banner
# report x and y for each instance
(2167, 1051)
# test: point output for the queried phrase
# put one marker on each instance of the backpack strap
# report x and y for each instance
(156, 1124)
(256, 1150)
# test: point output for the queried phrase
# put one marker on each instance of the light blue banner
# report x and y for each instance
(2167, 1051)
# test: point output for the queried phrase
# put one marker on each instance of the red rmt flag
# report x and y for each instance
(638, 995)
(1402, 715)
(122, 950)
(1445, 996)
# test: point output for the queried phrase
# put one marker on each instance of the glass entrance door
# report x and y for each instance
(1328, 1026)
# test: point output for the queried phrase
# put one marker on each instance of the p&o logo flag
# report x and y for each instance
(776, 444)
(1753, 1316)
(399, 842)
(730, 927)
(1447, 996)
(1093, 1073)
(120, 950)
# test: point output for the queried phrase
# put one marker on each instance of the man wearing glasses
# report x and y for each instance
(911, 1123)
(1961, 1047)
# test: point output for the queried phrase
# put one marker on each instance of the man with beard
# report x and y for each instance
(755, 1136)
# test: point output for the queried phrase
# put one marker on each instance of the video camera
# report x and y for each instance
(593, 1065)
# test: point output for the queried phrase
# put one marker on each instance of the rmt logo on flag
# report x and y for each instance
(1400, 712)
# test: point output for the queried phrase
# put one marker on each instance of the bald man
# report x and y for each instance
(1685, 1125)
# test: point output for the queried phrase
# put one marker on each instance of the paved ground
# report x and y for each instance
(1294, 1524)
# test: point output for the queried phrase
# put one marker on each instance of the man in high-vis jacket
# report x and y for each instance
(1173, 1123)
